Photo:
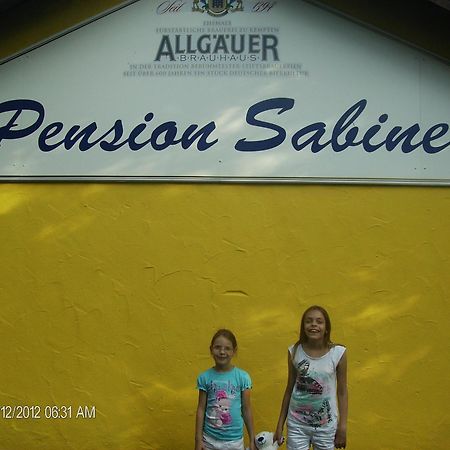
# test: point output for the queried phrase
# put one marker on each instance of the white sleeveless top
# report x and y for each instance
(313, 400)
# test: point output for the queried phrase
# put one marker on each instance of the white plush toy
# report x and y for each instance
(264, 441)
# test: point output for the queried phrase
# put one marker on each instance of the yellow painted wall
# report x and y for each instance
(110, 294)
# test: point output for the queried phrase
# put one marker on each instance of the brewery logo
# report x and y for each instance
(217, 7)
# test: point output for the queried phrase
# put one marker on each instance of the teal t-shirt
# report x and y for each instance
(223, 416)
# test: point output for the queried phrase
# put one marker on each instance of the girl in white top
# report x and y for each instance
(315, 401)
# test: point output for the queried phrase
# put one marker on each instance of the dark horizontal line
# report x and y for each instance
(224, 180)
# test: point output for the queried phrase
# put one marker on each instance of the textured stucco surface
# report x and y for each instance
(110, 294)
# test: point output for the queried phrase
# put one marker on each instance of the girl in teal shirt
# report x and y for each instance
(224, 400)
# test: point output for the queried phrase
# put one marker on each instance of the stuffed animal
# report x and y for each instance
(264, 441)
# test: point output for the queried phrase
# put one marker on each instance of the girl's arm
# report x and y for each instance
(340, 439)
(200, 418)
(248, 417)
(278, 436)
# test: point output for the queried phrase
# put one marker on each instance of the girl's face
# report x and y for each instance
(222, 351)
(314, 325)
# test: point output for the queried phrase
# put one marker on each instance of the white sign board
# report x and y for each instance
(208, 90)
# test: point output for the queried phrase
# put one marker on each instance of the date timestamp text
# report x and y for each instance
(37, 412)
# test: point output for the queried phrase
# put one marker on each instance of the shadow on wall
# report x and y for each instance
(111, 293)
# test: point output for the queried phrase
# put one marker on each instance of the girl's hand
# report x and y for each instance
(253, 446)
(340, 439)
(278, 437)
(199, 446)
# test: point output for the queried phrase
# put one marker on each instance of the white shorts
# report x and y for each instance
(300, 437)
(214, 444)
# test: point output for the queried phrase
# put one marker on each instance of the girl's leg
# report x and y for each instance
(298, 438)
